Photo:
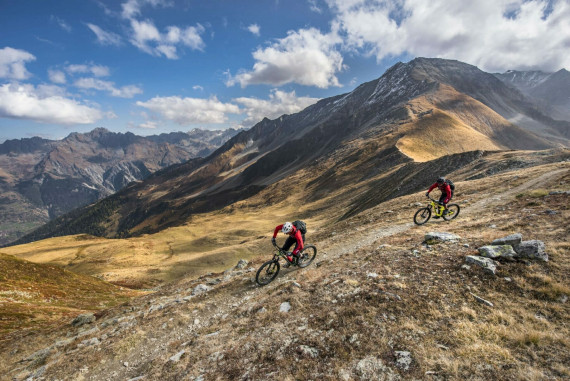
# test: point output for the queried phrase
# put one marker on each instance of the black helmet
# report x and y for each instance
(440, 180)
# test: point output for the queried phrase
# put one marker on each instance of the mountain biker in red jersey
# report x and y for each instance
(446, 192)
(295, 237)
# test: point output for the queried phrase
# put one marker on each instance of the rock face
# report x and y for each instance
(54, 177)
(533, 249)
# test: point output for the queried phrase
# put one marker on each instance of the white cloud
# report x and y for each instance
(146, 37)
(97, 84)
(96, 70)
(149, 125)
(56, 76)
(132, 8)
(306, 57)
(254, 29)
(44, 105)
(314, 6)
(279, 103)
(186, 111)
(493, 34)
(104, 37)
(65, 26)
(197, 87)
(13, 63)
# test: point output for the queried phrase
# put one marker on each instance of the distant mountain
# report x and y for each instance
(551, 89)
(374, 136)
(41, 179)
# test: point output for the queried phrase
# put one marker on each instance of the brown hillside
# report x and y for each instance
(375, 291)
(34, 295)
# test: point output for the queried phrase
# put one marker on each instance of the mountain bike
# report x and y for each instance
(423, 214)
(269, 270)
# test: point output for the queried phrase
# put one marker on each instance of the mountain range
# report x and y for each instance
(388, 137)
(42, 179)
(551, 90)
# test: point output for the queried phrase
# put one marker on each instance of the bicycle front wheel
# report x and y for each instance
(267, 272)
(307, 256)
(422, 216)
(452, 212)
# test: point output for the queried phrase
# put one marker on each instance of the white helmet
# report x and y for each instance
(287, 227)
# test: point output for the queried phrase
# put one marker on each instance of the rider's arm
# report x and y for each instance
(277, 228)
(447, 190)
(432, 187)
(299, 238)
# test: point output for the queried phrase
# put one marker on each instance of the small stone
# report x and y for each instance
(563, 298)
(508, 279)
(242, 264)
(493, 226)
(285, 307)
(481, 300)
(465, 245)
(308, 351)
(434, 237)
(466, 267)
(372, 275)
(126, 364)
(403, 359)
(262, 310)
(295, 284)
(177, 356)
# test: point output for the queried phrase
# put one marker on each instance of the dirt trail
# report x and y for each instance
(473, 208)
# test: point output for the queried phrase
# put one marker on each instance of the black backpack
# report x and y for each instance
(451, 185)
(301, 226)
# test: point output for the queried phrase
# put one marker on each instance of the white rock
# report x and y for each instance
(285, 307)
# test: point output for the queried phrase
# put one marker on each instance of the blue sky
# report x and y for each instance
(153, 66)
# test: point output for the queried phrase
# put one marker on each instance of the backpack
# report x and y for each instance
(301, 226)
(451, 185)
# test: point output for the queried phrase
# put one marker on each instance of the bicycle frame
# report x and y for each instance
(437, 208)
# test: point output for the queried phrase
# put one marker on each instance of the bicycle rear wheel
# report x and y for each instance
(307, 256)
(267, 272)
(422, 216)
(452, 212)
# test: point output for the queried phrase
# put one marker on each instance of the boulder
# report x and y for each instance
(242, 264)
(200, 289)
(486, 263)
(435, 237)
(512, 240)
(372, 368)
(83, 319)
(533, 249)
(496, 251)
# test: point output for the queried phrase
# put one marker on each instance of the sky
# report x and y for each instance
(159, 66)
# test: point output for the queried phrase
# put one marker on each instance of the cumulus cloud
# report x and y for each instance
(97, 84)
(147, 38)
(254, 29)
(57, 76)
(306, 57)
(187, 111)
(44, 105)
(148, 125)
(279, 103)
(104, 37)
(493, 34)
(13, 63)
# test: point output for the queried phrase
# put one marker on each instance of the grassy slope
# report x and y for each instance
(37, 295)
(419, 302)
